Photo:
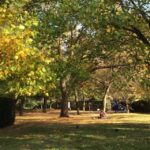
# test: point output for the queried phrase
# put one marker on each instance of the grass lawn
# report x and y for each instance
(38, 131)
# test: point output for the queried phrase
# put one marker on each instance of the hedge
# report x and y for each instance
(7, 112)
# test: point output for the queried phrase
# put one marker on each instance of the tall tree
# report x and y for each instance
(24, 70)
(72, 41)
(84, 36)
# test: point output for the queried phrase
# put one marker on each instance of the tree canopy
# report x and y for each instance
(63, 45)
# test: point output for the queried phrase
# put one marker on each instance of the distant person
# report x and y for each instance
(102, 114)
(115, 105)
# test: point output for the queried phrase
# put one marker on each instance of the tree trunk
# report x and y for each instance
(83, 103)
(51, 103)
(77, 102)
(105, 98)
(64, 99)
(89, 105)
(126, 100)
(44, 99)
(7, 112)
(21, 104)
(127, 106)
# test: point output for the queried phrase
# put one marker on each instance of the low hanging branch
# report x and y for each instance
(145, 16)
(108, 67)
(134, 29)
(139, 35)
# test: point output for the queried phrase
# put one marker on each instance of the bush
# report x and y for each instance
(7, 112)
(141, 106)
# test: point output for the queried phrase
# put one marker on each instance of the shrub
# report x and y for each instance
(7, 112)
(141, 106)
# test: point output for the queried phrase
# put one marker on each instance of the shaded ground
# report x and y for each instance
(38, 131)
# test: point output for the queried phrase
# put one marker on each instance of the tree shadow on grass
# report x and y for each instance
(45, 136)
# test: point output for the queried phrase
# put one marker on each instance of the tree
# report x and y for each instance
(133, 18)
(75, 41)
(24, 70)
(72, 32)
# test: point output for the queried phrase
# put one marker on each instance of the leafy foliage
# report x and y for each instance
(23, 68)
(52, 48)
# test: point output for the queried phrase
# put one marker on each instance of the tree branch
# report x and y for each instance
(108, 67)
(134, 30)
(140, 35)
(141, 12)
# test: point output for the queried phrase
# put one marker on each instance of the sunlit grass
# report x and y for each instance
(49, 132)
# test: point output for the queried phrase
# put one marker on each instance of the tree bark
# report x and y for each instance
(77, 102)
(64, 99)
(44, 99)
(21, 104)
(83, 103)
(105, 98)
(7, 111)
(51, 103)
(127, 106)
